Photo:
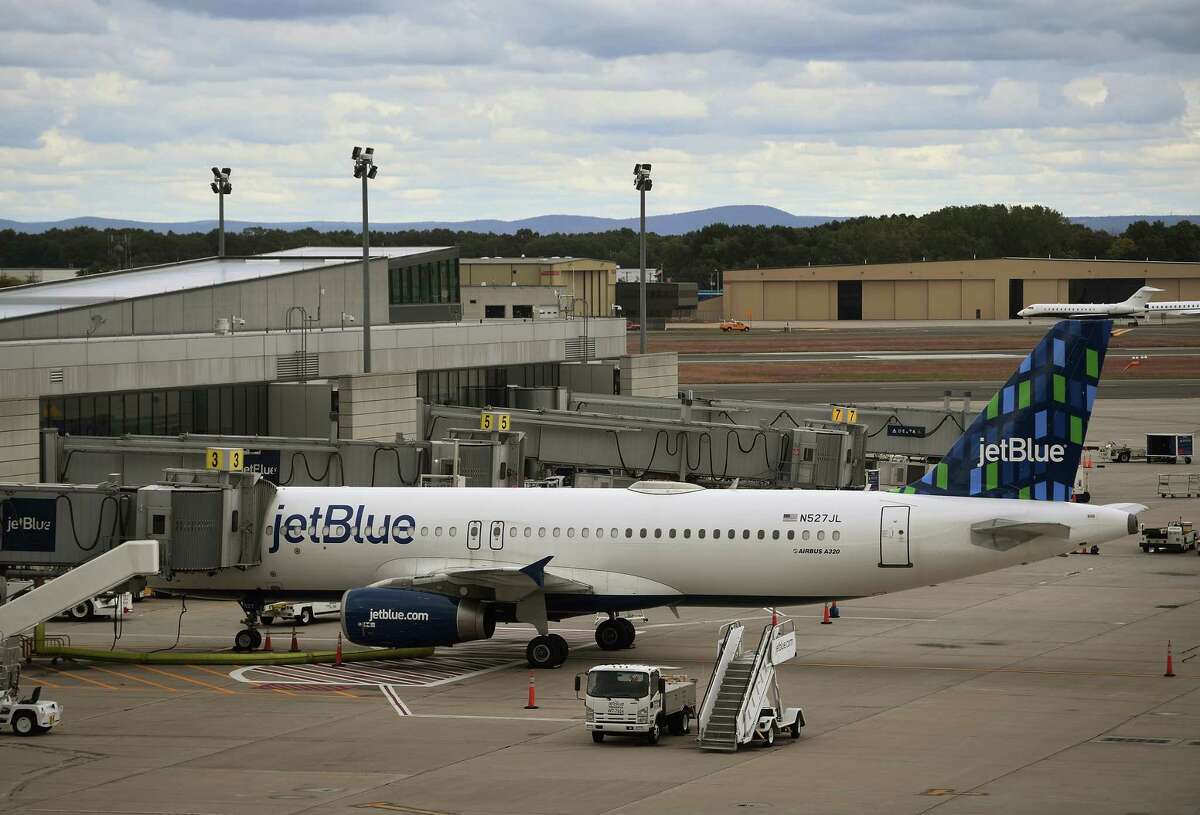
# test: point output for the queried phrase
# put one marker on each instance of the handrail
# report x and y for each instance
(764, 647)
(718, 674)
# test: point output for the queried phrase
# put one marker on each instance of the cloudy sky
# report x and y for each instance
(512, 109)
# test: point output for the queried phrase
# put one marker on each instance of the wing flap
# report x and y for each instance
(507, 582)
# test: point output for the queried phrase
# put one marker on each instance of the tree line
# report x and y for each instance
(952, 233)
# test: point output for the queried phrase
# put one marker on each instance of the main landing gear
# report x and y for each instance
(547, 651)
(249, 638)
(615, 634)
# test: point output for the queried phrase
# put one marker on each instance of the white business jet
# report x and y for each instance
(435, 567)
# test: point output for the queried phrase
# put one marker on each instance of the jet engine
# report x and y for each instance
(401, 618)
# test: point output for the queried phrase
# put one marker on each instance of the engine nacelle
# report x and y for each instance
(401, 618)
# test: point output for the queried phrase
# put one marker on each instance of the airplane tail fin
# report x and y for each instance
(1140, 297)
(1028, 440)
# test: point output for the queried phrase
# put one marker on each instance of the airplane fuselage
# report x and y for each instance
(641, 549)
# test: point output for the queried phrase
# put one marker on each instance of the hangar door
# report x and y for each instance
(1112, 290)
(894, 551)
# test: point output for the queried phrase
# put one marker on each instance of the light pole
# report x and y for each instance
(221, 187)
(643, 184)
(364, 168)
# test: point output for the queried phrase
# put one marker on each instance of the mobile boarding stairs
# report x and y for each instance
(742, 702)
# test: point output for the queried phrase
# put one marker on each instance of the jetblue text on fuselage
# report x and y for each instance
(1018, 449)
(341, 523)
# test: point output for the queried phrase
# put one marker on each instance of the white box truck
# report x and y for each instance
(636, 700)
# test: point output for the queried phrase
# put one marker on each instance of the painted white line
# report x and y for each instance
(394, 700)
(494, 718)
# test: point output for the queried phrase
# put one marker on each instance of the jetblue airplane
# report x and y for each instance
(423, 567)
(1137, 307)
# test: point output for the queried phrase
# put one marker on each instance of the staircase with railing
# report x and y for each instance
(742, 685)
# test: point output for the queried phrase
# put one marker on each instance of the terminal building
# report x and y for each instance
(233, 345)
(994, 289)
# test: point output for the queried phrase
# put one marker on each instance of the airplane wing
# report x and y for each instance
(504, 582)
(1004, 534)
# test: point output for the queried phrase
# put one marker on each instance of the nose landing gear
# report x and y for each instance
(249, 638)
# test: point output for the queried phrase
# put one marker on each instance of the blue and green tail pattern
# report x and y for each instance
(1028, 440)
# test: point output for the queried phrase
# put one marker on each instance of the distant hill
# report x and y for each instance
(1116, 224)
(673, 224)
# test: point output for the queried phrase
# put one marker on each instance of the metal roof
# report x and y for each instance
(355, 252)
(42, 298)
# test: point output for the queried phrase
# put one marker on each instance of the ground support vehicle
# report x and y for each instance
(1169, 448)
(300, 612)
(26, 717)
(1082, 491)
(1179, 485)
(742, 703)
(636, 700)
(110, 603)
(1178, 536)
(1116, 451)
(734, 325)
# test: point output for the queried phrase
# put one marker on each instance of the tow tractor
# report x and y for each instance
(27, 717)
(636, 700)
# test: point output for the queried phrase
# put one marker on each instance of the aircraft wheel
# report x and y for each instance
(628, 632)
(244, 640)
(561, 649)
(610, 635)
(540, 653)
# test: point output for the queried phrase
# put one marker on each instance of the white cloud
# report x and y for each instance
(506, 110)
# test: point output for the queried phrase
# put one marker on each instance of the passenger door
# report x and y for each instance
(496, 538)
(894, 549)
(474, 533)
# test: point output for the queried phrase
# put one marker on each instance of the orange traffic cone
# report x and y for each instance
(833, 611)
(295, 643)
(267, 644)
(337, 657)
(774, 617)
(825, 617)
(1170, 661)
(532, 694)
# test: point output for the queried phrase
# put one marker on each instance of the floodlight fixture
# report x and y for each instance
(374, 170)
(356, 152)
(643, 184)
(228, 172)
(214, 187)
(216, 172)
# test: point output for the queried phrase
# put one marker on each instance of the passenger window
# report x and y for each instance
(687, 533)
(821, 535)
(628, 532)
(716, 534)
(512, 531)
(570, 531)
(700, 533)
(557, 531)
(791, 534)
(658, 533)
(745, 534)
(541, 531)
(643, 532)
(424, 532)
(733, 534)
(437, 531)
(804, 534)
(774, 534)
(671, 533)
(837, 535)
(761, 534)
(454, 531)
(612, 533)
(528, 532)
(324, 532)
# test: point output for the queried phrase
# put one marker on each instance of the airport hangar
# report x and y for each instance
(212, 345)
(993, 289)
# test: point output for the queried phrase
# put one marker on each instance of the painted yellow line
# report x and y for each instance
(81, 678)
(345, 693)
(41, 680)
(199, 682)
(980, 670)
(213, 671)
(149, 682)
